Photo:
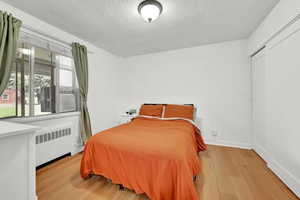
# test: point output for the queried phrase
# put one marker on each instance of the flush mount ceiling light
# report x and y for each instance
(150, 10)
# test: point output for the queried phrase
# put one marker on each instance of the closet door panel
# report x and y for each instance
(259, 136)
(283, 105)
(284, 102)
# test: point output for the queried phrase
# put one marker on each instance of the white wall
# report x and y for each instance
(282, 13)
(102, 69)
(215, 77)
(103, 90)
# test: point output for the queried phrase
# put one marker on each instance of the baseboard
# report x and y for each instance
(261, 151)
(229, 144)
(289, 179)
(77, 150)
(52, 161)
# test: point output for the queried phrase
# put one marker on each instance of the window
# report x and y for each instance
(67, 82)
(42, 82)
(8, 99)
(5, 97)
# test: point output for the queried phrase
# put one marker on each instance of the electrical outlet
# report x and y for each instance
(214, 133)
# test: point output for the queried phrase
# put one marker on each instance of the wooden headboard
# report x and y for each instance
(195, 107)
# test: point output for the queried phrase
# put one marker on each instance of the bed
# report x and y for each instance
(152, 155)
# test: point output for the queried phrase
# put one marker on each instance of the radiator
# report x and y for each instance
(52, 143)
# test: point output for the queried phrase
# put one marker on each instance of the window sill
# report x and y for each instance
(42, 118)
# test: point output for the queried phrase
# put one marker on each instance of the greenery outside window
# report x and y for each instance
(42, 82)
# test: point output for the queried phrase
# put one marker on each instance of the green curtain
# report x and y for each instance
(81, 65)
(9, 34)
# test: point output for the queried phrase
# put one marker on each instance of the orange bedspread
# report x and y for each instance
(150, 156)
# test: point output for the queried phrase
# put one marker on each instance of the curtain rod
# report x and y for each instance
(29, 30)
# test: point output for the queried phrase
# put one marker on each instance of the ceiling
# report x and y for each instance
(116, 26)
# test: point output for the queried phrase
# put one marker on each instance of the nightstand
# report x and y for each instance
(125, 118)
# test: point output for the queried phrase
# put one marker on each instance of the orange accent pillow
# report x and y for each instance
(151, 110)
(183, 111)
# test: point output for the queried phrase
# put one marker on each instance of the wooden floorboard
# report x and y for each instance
(228, 174)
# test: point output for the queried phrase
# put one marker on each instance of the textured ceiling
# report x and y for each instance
(115, 25)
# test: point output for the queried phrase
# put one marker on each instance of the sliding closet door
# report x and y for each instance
(283, 106)
(259, 137)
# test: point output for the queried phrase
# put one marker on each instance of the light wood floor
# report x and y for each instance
(228, 174)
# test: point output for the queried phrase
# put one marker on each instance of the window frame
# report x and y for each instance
(54, 82)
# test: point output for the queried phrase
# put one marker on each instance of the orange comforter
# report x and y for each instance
(150, 156)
